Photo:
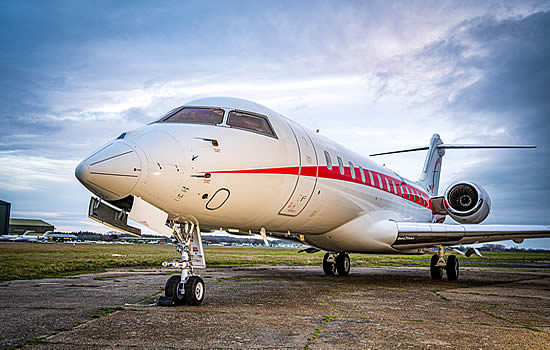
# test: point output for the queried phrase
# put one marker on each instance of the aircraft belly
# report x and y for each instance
(361, 235)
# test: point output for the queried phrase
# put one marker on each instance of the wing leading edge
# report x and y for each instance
(425, 235)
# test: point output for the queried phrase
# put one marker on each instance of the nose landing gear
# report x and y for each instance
(438, 263)
(187, 288)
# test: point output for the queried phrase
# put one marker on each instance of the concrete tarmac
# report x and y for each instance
(283, 307)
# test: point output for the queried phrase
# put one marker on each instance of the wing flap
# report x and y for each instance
(423, 235)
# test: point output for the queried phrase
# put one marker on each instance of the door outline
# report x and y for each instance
(300, 171)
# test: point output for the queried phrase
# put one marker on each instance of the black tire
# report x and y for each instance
(329, 267)
(435, 271)
(194, 291)
(172, 290)
(452, 268)
(343, 264)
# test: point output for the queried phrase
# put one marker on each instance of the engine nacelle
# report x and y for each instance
(467, 203)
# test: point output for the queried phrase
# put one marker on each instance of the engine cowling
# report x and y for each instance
(467, 203)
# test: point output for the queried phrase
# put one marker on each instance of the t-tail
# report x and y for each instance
(429, 178)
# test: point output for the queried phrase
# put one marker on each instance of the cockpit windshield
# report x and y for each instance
(211, 116)
(251, 122)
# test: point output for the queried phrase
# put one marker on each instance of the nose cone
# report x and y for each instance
(112, 172)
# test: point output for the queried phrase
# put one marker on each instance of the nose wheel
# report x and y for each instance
(336, 263)
(438, 263)
(188, 293)
(187, 288)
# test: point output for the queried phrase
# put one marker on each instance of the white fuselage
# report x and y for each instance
(233, 178)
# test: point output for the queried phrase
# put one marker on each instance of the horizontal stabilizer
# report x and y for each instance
(456, 146)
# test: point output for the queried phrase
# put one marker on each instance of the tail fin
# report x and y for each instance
(429, 178)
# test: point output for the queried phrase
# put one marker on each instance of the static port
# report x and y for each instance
(204, 196)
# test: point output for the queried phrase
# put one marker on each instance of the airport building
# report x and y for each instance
(19, 226)
(4, 217)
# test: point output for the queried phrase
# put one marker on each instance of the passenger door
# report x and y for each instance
(307, 173)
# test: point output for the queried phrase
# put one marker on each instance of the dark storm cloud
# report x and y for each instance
(511, 96)
(516, 69)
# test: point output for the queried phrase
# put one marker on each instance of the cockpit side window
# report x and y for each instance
(210, 116)
(250, 122)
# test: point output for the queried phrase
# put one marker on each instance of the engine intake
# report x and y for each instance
(467, 203)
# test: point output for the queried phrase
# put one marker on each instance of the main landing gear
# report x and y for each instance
(333, 263)
(187, 288)
(438, 264)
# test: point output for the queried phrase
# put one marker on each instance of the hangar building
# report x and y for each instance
(19, 226)
(4, 217)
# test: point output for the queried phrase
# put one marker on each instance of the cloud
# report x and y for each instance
(373, 76)
(505, 101)
(36, 213)
(33, 172)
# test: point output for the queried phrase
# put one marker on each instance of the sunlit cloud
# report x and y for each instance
(26, 173)
(371, 76)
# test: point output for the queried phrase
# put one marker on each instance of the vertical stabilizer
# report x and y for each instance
(429, 178)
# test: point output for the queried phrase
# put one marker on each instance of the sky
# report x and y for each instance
(373, 75)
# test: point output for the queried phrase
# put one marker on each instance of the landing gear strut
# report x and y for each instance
(187, 288)
(438, 263)
(333, 263)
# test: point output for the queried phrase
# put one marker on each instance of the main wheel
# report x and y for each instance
(329, 266)
(452, 268)
(343, 264)
(435, 271)
(174, 291)
(194, 290)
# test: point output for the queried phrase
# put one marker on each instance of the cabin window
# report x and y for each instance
(408, 193)
(402, 192)
(210, 116)
(362, 174)
(352, 170)
(394, 187)
(329, 161)
(388, 184)
(341, 165)
(371, 178)
(250, 122)
(380, 181)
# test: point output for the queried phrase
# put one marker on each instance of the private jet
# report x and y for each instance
(234, 165)
(27, 237)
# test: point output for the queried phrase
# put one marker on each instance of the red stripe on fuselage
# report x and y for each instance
(335, 174)
(280, 171)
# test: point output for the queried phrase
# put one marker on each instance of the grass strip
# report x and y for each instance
(30, 261)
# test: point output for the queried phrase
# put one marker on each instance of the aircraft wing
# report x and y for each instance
(424, 235)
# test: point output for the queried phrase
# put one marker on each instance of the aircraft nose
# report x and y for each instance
(112, 172)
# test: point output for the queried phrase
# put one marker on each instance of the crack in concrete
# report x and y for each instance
(464, 305)
(105, 312)
(326, 319)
